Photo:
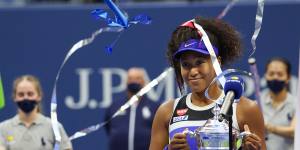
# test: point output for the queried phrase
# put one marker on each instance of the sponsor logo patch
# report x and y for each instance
(181, 112)
(180, 118)
(10, 138)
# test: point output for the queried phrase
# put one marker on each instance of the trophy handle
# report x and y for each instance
(240, 138)
(190, 133)
(193, 134)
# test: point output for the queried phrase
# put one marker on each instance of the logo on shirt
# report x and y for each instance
(146, 112)
(180, 118)
(9, 138)
(181, 112)
(289, 117)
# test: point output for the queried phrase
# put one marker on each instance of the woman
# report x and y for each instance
(29, 129)
(279, 105)
(192, 63)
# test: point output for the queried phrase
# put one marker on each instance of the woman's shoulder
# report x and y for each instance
(46, 121)
(291, 98)
(5, 123)
(165, 111)
(247, 107)
(170, 104)
(9, 122)
(247, 110)
(167, 106)
(247, 104)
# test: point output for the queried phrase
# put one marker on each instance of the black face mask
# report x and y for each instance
(276, 86)
(27, 105)
(134, 87)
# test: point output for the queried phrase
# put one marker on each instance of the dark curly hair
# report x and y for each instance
(221, 35)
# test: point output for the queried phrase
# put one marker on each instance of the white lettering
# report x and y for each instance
(108, 89)
(113, 82)
(84, 74)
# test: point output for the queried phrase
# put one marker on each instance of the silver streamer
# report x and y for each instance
(211, 51)
(227, 8)
(124, 107)
(258, 23)
(78, 45)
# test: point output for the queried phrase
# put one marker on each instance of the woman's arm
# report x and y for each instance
(286, 131)
(160, 125)
(65, 141)
(2, 141)
(249, 114)
(2, 147)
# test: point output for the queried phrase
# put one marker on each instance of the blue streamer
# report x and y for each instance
(120, 17)
(119, 20)
(115, 22)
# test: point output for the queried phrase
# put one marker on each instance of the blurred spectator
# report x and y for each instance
(278, 105)
(29, 129)
(132, 129)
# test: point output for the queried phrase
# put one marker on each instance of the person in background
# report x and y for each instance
(132, 129)
(29, 129)
(278, 105)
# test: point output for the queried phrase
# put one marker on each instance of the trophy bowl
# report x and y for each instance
(214, 135)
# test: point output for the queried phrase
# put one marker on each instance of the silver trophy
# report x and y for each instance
(214, 135)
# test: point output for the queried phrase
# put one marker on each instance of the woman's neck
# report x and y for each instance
(278, 98)
(28, 119)
(199, 99)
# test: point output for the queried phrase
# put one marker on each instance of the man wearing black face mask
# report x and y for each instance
(278, 106)
(132, 129)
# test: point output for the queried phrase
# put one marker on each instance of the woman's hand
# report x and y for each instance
(270, 128)
(251, 141)
(179, 142)
(285, 131)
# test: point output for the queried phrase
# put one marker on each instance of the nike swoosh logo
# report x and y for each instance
(187, 45)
